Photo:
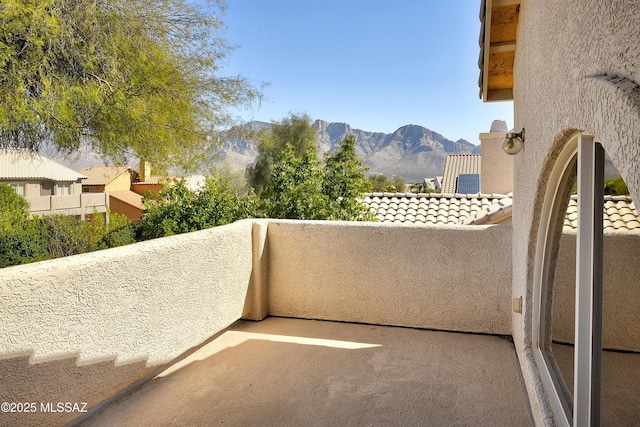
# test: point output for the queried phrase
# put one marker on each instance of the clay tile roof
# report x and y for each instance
(438, 209)
(128, 197)
(103, 175)
(618, 215)
(457, 164)
(24, 164)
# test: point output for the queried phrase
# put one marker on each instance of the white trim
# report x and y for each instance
(550, 207)
(588, 322)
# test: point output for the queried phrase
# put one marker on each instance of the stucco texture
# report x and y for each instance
(621, 299)
(449, 278)
(577, 68)
(80, 329)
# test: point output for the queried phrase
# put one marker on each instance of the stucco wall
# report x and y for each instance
(451, 278)
(621, 292)
(80, 329)
(121, 183)
(577, 68)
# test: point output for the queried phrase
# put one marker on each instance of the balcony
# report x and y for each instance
(270, 322)
(76, 204)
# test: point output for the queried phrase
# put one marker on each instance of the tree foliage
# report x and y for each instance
(176, 209)
(345, 182)
(616, 187)
(26, 240)
(296, 131)
(381, 183)
(295, 187)
(300, 188)
(126, 76)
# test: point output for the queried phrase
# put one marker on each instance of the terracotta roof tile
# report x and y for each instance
(619, 213)
(129, 197)
(456, 164)
(436, 209)
(103, 175)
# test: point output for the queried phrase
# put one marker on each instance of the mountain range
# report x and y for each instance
(412, 152)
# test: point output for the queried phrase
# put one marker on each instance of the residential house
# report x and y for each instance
(146, 182)
(125, 186)
(115, 181)
(572, 69)
(49, 187)
(128, 329)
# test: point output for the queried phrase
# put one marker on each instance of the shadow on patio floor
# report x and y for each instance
(305, 372)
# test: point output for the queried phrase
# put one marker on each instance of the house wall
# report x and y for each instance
(118, 206)
(496, 174)
(82, 328)
(120, 183)
(449, 278)
(94, 188)
(143, 189)
(577, 68)
(32, 188)
(621, 296)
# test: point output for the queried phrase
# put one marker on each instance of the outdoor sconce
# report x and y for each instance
(513, 143)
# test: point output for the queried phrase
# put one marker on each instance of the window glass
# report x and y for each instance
(63, 189)
(18, 188)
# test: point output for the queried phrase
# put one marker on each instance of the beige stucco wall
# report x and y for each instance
(577, 67)
(121, 183)
(80, 329)
(497, 166)
(450, 278)
(621, 292)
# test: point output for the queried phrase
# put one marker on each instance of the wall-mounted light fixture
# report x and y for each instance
(513, 143)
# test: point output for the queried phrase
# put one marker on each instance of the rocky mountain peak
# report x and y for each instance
(412, 151)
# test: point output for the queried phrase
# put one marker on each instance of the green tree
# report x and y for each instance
(345, 182)
(616, 187)
(124, 76)
(295, 187)
(296, 130)
(177, 209)
(14, 209)
(381, 183)
(20, 238)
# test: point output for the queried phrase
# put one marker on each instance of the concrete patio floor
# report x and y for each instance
(292, 372)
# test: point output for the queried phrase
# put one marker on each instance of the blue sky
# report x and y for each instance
(377, 65)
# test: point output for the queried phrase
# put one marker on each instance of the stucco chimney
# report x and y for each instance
(496, 170)
(145, 171)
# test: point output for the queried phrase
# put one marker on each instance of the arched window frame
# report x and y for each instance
(585, 407)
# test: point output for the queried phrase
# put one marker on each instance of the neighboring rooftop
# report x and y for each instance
(440, 209)
(459, 164)
(128, 197)
(25, 165)
(619, 215)
(103, 175)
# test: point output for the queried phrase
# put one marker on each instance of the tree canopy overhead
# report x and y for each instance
(125, 76)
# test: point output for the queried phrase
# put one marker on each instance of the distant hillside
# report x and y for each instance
(412, 152)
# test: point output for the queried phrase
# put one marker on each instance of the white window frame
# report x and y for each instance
(16, 185)
(63, 185)
(588, 330)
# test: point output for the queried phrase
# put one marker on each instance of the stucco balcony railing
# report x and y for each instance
(88, 327)
(76, 204)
